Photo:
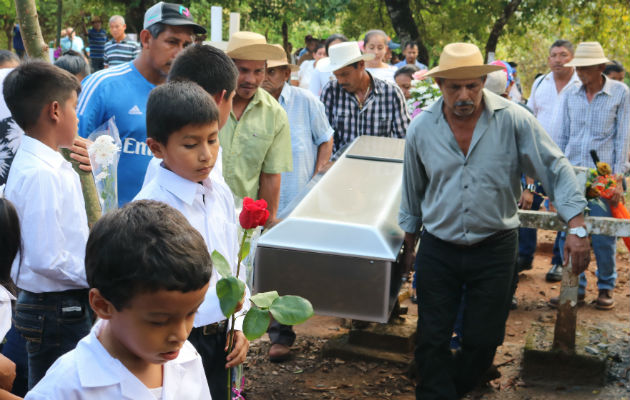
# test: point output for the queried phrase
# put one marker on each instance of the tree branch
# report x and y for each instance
(405, 26)
(499, 24)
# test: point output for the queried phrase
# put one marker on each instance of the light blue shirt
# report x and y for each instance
(602, 125)
(404, 62)
(75, 44)
(309, 129)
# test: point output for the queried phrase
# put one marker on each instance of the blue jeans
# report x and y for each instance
(52, 324)
(604, 247)
(14, 349)
(527, 236)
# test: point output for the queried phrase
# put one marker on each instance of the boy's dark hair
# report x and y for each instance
(6, 56)
(218, 72)
(411, 44)
(175, 104)
(10, 242)
(145, 246)
(74, 63)
(32, 86)
(408, 69)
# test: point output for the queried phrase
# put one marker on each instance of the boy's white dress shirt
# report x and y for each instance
(209, 207)
(46, 193)
(90, 372)
(5, 311)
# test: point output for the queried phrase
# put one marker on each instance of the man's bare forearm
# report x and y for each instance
(269, 189)
(324, 151)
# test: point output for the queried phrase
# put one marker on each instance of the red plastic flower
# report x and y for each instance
(254, 213)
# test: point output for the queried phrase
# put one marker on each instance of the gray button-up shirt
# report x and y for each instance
(464, 199)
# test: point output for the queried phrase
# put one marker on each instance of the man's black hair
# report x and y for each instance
(411, 43)
(562, 43)
(156, 29)
(7, 56)
(217, 73)
(174, 105)
(408, 69)
(332, 38)
(143, 247)
(34, 85)
(74, 63)
(10, 242)
(614, 66)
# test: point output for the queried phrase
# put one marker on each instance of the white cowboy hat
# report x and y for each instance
(251, 46)
(496, 82)
(281, 61)
(587, 54)
(342, 55)
(461, 61)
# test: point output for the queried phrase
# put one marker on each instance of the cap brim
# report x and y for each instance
(197, 29)
(469, 72)
(330, 67)
(586, 62)
(256, 52)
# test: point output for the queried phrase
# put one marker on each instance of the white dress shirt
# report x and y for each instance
(209, 207)
(5, 311)
(545, 100)
(90, 372)
(46, 193)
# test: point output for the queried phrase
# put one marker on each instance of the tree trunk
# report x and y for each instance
(8, 31)
(285, 39)
(59, 13)
(31, 32)
(499, 24)
(406, 28)
(37, 48)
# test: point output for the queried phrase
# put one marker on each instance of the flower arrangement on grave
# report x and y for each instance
(423, 93)
(602, 183)
(287, 310)
(104, 153)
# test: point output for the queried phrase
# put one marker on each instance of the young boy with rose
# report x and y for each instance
(182, 131)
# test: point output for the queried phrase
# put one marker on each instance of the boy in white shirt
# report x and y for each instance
(148, 271)
(52, 311)
(182, 130)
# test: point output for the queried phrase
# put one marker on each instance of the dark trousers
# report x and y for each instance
(14, 349)
(210, 344)
(97, 64)
(281, 334)
(487, 270)
(52, 323)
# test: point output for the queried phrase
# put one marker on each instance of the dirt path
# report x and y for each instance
(310, 376)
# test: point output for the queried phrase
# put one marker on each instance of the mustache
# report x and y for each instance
(464, 103)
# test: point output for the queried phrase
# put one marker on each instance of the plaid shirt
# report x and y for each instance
(384, 112)
(602, 125)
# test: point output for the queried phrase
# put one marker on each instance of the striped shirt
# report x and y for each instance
(602, 125)
(118, 53)
(383, 114)
(97, 41)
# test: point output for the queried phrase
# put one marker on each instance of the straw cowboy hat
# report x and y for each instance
(281, 61)
(587, 54)
(461, 61)
(252, 46)
(343, 54)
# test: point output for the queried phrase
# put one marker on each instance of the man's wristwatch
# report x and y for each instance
(579, 231)
(531, 187)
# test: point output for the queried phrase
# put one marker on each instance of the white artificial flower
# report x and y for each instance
(103, 150)
(100, 176)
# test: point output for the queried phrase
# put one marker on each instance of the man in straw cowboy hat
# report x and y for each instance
(461, 181)
(256, 139)
(358, 103)
(311, 142)
(595, 115)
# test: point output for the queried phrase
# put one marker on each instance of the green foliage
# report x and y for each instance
(291, 310)
(264, 300)
(230, 292)
(245, 249)
(255, 323)
(221, 264)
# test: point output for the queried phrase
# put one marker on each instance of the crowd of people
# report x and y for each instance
(129, 309)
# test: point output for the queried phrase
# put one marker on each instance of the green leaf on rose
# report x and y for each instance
(245, 248)
(256, 323)
(264, 300)
(230, 292)
(221, 264)
(291, 310)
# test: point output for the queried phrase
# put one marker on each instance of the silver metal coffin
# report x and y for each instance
(340, 244)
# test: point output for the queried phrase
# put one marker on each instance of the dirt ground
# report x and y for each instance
(308, 375)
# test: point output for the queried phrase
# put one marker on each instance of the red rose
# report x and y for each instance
(254, 213)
